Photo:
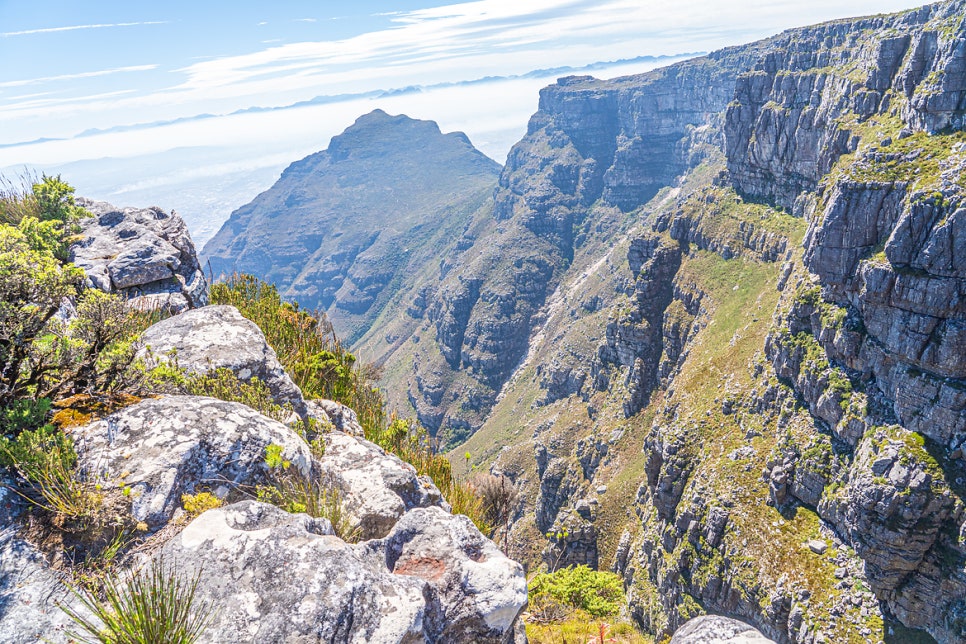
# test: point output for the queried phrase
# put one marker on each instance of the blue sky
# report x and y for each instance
(70, 67)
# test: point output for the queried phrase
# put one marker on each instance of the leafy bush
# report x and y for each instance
(41, 355)
(155, 605)
(597, 593)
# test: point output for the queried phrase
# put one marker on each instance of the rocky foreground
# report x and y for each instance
(417, 573)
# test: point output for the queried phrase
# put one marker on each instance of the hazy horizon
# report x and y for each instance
(198, 106)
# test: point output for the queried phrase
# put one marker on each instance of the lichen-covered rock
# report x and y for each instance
(481, 591)
(340, 416)
(215, 337)
(162, 448)
(377, 488)
(145, 254)
(29, 594)
(715, 629)
(284, 578)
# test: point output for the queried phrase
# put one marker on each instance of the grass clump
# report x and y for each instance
(153, 606)
(43, 461)
(295, 492)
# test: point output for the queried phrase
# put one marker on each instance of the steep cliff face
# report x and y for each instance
(593, 152)
(343, 229)
(746, 390)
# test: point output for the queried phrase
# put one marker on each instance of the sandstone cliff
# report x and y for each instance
(743, 388)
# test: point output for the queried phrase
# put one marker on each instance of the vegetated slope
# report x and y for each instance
(342, 228)
(747, 388)
(593, 152)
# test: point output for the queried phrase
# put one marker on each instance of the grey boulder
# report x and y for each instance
(279, 577)
(377, 488)
(715, 629)
(162, 448)
(216, 337)
(144, 254)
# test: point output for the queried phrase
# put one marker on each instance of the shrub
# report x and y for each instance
(196, 504)
(597, 593)
(155, 605)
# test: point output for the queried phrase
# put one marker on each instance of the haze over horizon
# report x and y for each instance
(197, 107)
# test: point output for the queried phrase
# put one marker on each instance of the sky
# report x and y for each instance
(199, 105)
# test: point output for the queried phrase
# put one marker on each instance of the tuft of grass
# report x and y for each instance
(294, 492)
(154, 605)
(44, 461)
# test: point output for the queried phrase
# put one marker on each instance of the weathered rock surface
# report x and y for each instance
(284, 578)
(144, 254)
(162, 448)
(714, 629)
(216, 337)
(29, 594)
(377, 488)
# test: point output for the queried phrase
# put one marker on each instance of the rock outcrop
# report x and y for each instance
(219, 337)
(779, 324)
(714, 629)
(285, 578)
(144, 254)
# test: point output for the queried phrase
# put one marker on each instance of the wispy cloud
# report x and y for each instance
(306, 20)
(63, 77)
(50, 30)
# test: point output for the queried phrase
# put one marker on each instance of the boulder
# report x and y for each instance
(144, 254)
(217, 337)
(280, 577)
(377, 488)
(341, 417)
(29, 594)
(715, 629)
(480, 591)
(162, 448)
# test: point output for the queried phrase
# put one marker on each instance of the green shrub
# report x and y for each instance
(154, 605)
(196, 504)
(597, 593)
(307, 347)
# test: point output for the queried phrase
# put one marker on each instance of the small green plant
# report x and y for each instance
(295, 493)
(153, 606)
(274, 459)
(195, 504)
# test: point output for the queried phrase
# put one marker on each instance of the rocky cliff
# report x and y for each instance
(343, 229)
(744, 385)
